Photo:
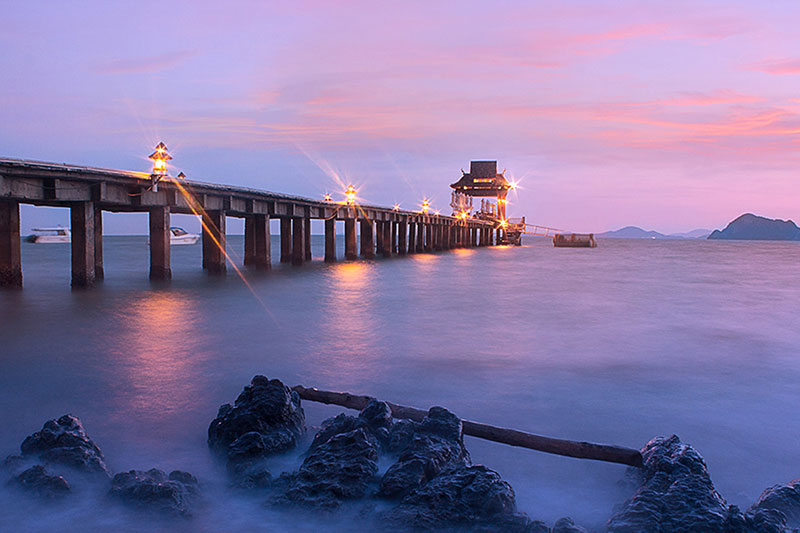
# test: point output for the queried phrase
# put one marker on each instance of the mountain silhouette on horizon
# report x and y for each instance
(635, 232)
(752, 227)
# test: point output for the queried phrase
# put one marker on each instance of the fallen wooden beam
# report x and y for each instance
(512, 437)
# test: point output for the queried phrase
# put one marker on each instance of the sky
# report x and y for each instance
(669, 115)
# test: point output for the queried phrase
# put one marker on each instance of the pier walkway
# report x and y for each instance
(88, 192)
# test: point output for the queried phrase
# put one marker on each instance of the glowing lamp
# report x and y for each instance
(504, 223)
(350, 194)
(182, 176)
(160, 158)
(327, 197)
(396, 207)
(426, 205)
(502, 201)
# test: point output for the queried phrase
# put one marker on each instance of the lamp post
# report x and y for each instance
(350, 195)
(160, 158)
(426, 206)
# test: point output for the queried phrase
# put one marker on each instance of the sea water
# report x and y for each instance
(616, 345)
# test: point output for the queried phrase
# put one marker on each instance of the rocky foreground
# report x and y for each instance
(430, 485)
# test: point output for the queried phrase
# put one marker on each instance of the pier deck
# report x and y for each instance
(89, 191)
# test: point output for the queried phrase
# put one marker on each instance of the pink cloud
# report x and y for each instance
(778, 66)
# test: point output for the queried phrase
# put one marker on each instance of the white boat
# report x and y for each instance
(49, 235)
(181, 236)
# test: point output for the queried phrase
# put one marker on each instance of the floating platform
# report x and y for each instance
(574, 240)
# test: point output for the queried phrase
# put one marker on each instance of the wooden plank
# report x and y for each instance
(511, 437)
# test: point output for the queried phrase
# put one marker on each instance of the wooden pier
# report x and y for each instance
(88, 192)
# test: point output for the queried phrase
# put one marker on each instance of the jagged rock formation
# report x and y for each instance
(676, 494)
(784, 499)
(337, 470)
(154, 490)
(465, 498)
(38, 481)
(431, 445)
(266, 419)
(65, 442)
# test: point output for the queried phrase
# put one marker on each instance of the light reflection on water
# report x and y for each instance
(618, 344)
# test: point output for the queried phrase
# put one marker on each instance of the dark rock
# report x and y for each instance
(375, 419)
(676, 493)
(65, 442)
(753, 227)
(154, 490)
(466, 497)
(339, 469)
(566, 525)
(783, 498)
(266, 419)
(437, 443)
(36, 480)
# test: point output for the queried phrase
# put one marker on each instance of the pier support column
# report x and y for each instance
(214, 259)
(330, 240)
(298, 240)
(474, 234)
(402, 243)
(367, 240)
(420, 237)
(308, 238)
(10, 251)
(82, 222)
(160, 268)
(286, 240)
(263, 246)
(99, 271)
(446, 237)
(350, 248)
(429, 237)
(249, 240)
(412, 238)
(393, 241)
(499, 235)
(379, 233)
(388, 231)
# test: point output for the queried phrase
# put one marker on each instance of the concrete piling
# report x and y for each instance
(160, 268)
(330, 241)
(350, 247)
(82, 226)
(10, 251)
(263, 246)
(367, 240)
(214, 258)
(286, 240)
(298, 240)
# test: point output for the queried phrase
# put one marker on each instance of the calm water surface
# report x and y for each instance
(619, 344)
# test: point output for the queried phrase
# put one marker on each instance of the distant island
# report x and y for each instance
(633, 232)
(755, 228)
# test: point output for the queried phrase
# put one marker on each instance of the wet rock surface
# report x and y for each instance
(335, 471)
(470, 497)
(782, 498)
(65, 442)
(434, 444)
(676, 494)
(38, 481)
(266, 419)
(154, 490)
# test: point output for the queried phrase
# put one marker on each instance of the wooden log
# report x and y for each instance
(512, 437)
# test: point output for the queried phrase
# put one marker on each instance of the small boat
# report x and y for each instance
(574, 240)
(180, 236)
(49, 235)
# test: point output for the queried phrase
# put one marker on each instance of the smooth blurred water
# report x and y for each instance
(618, 344)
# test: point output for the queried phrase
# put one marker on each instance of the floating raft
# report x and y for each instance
(574, 240)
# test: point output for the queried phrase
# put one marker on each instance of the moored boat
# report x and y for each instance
(49, 235)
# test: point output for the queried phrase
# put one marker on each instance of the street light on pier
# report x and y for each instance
(396, 207)
(328, 197)
(426, 206)
(160, 158)
(350, 195)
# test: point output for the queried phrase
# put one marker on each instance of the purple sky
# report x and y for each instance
(668, 115)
